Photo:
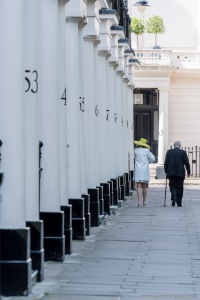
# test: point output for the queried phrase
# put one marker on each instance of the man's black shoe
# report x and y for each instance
(173, 203)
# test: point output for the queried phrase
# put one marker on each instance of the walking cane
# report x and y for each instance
(165, 193)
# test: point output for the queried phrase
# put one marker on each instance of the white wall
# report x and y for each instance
(184, 110)
(181, 23)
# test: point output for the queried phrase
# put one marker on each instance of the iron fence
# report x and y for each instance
(193, 154)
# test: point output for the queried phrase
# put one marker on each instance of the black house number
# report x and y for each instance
(32, 81)
(82, 104)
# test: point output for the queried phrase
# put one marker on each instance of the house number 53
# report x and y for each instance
(32, 81)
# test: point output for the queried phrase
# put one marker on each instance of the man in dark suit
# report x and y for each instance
(176, 161)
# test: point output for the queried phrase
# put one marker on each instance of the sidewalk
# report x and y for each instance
(148, 252)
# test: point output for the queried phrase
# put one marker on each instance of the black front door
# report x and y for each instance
(146, 118)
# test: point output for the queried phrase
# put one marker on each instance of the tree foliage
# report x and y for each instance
(137, 27)
(155, 25)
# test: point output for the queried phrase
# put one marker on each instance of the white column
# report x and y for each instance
(130, 127)
(131, 116)
(110, 106)
(12, 86)
(163, 124)
(108, 18)
(83, 116)
(103, 51)
(75, 106)
(120, 94)
(113, 61)
(119, 123)
(112, 120)
(97, 103)
(48, 104)
(103, 115)
(62, 104)
(125, 120)
(31, 110)
(90, 111)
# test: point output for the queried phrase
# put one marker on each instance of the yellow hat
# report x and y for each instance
(142, 142)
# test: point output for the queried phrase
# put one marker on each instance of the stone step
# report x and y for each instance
(188, 181)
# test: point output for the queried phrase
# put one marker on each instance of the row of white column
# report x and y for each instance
(60, 85)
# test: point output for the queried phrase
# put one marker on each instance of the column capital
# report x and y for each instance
(91, 30)
(117, 30)
(75, 8)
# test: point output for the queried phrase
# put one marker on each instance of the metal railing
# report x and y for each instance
(194, 159)
(122, 13)
(193, 154)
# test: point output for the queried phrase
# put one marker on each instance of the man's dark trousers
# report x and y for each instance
(176, 189)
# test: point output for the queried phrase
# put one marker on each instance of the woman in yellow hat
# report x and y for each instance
(143, 157)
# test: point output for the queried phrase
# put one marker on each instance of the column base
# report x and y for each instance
(54, 239)
(78, 219)
(115, 191)
(15, 262)
(127, 183)
(111, 192)
(88, 223)
(94, 206)
(37, 247)
(79, 231)
(67, 209)
(87, 214)
(101, 200)
(106, 197)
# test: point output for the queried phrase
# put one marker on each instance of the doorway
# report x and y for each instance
(146, 119)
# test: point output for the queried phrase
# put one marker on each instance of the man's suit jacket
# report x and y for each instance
(175, 162)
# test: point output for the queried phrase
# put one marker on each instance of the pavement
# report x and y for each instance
(146, 253)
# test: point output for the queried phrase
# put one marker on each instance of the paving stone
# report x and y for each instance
(150, 252)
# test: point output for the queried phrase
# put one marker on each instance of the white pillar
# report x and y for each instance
(31, 110)
(12, 85)
(119, 123)
(103, 51)
(75, 106)
(125, 124)
(163, 124)
(90, 111)
(110, 104)
(62, 104)
(121, 95)
(130, 125)
(103, 116)
(83, 116)
(113, 61)
(108, 18)
(112, 120)
(97, 103)
(48, 104)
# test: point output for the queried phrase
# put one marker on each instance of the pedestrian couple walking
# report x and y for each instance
(176, 161)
